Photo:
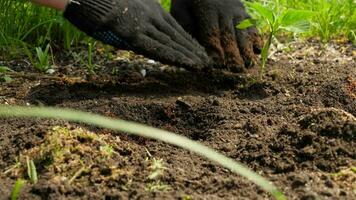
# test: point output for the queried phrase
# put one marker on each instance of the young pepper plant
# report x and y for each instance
(276, 19)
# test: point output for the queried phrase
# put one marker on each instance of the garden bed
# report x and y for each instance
(297, 128)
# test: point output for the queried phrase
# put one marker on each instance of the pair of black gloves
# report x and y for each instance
(145, 28)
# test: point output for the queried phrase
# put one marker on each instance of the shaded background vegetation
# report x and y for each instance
(25, 26)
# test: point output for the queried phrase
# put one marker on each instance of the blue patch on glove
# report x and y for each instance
(110, 38)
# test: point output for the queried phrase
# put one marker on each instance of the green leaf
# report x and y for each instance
(15, 193)
(296, 21)
(247, 23)
(263, 11)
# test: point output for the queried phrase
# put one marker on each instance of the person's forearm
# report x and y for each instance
(56, 4)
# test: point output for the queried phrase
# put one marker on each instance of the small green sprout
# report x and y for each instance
(43, 59)
(15, 193)
(157, 170)
(90, 65)
(31, 170)
(291, 20)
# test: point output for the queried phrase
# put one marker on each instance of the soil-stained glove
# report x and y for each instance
(138, 25)
(212, 23)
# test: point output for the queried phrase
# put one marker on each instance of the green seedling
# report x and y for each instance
(43, 59)
(291, 20)
(156, 168)
(15, 193)
(90, 65)
(31, 170)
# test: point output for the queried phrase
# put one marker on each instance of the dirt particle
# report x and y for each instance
(309, 196)
(297, 184)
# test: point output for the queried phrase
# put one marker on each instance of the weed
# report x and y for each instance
(15, 193)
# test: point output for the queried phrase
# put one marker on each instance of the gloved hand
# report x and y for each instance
(212, 23)
(138, 25)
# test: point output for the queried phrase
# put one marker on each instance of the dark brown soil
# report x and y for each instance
(297, 128)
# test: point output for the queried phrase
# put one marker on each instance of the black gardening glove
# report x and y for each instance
(212, 23)
(138, 25)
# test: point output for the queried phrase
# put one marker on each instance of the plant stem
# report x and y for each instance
(264, 54)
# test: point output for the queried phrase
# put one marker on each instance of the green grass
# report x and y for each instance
(24, 24)
(333, 18)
